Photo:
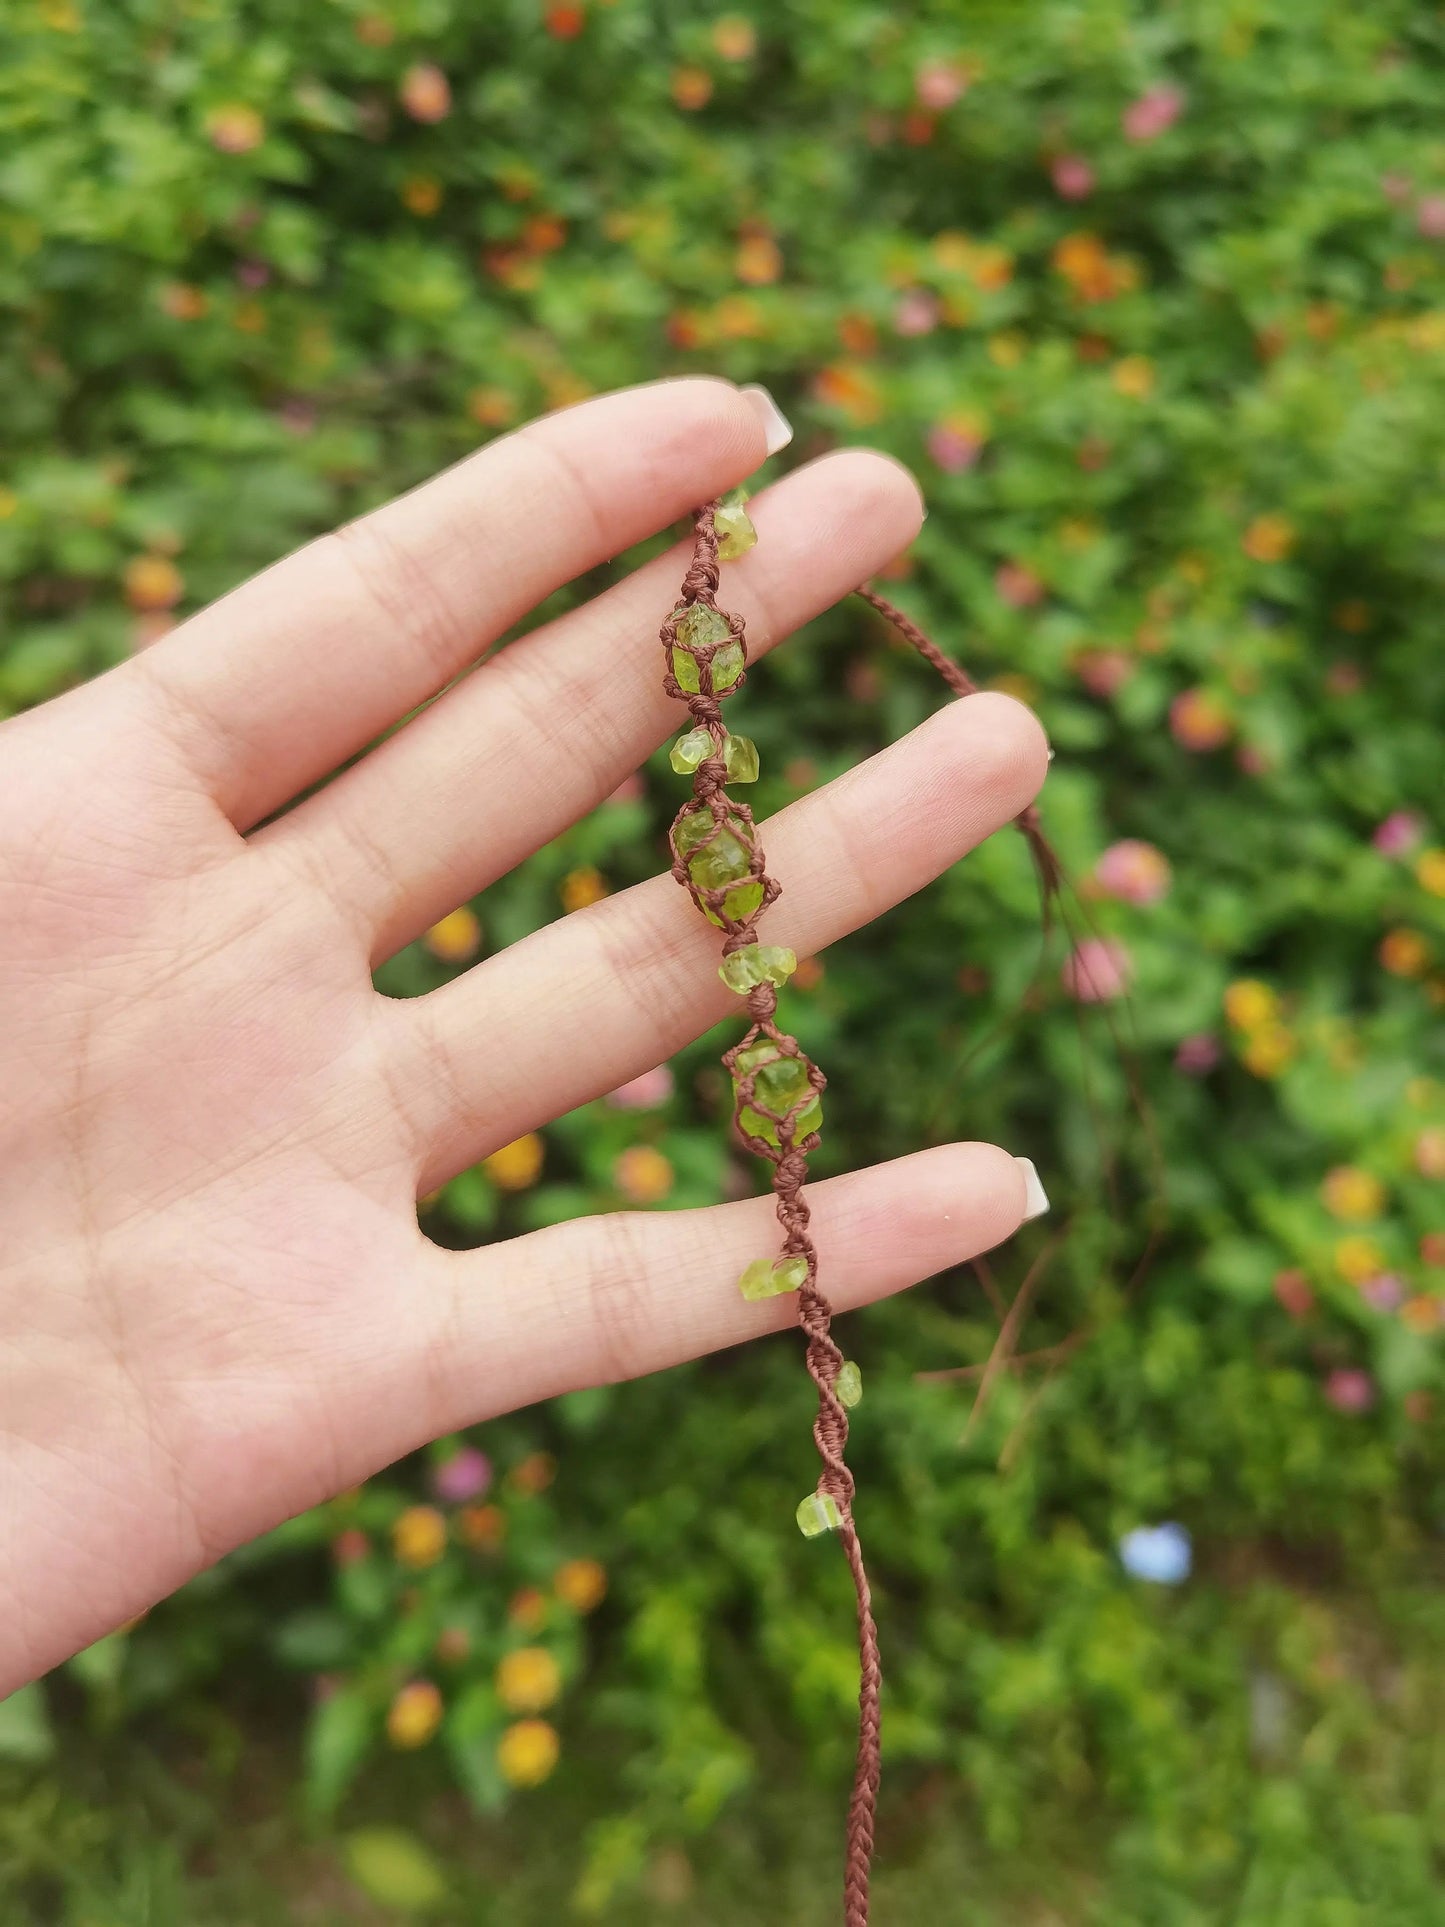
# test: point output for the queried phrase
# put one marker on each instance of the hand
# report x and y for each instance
(216, 1304)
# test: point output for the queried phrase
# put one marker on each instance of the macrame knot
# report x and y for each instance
(762, 1002)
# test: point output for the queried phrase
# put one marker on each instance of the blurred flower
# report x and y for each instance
(1198, 1055)
(482, 1527)
(235, 128)
(465, 1475)
(955, 444)
(1399, 833)
(491, 407)
(1198, 720)
(414, 1715)
(1422, 1314)
(939, 84)
(642, 1174)
(1383, 1292)
(1269, 538)
(375, 30)
(527, 1753)
(183, 302)
(691, 88)
(532, 1474)
(1098, 970)
(1291, 1289)
(1404, 953)
(528, 1680)
(1162, 1554)
(1251, 759)
(759, 261)
(1352, 1194)
(1430, 1152)
(153, 582)
(644, 1092)
(419, 1536)
(809, 973)
(454, 1644)
(1418, 1406)
(1430, 216)
(1358, 1259)
(1072, 176)
(1133, 377)
(565, 20)
(1018, 586)
(734, 37)
(516, 1166)
(426, 93)
(1344, 679)
(1269, 1051)
(1134, 872)
(1350, 1390)
(581, 1584)
(916, 313)
(456, 937)
(421, 194)
(1007, 348)
(582, 887)
(1396, 187)
(1432, 1248)
(1152, 114)
(528, 1609)
(1430, 872)
(850, 389)
(1249, 1004)
(1103, 671)
(349, 1546)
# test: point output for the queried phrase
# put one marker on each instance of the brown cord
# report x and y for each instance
(735, 904)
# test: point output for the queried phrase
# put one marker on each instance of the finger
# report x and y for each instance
(275, 685)
(598, 1300)
(537, 737)
(579, 1007)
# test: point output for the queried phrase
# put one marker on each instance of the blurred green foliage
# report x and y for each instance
(1152, 298)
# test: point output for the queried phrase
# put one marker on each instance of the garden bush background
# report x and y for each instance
(1152, 299)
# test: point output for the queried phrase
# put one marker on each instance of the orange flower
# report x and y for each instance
(1133, 377)
(375, 30)
(533, 1474)
(528, 1752)
(1430, 1153)
(414, 1715)
(249, 317)
(1421, 1314)
(456, 937)
(1404, 953)
(1351, 1193)
(759, 261)
(858, 333)
(991, 268)
(809, 974)
(1353, 617)
(582, 887)
(691, 88)
(581, 1584)
(421, 194)
(544, 233)
(491, 407)
(518, 1165)
(419, 1536)
(153, 582)
(482, 1527)
(182, 302)
(850, 389)
(235, 128)
(528, 1609)
(529, 1680)
(1269, 538)
(642, 1174)
(565, 21)
(735, 38)
(426, 93)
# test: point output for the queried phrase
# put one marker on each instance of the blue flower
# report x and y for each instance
(1162, 1554)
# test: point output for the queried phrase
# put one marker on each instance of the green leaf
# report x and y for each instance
(25, 1731)
(396, 1869)
(337, 1742)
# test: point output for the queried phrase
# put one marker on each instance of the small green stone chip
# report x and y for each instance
(740, 754)
(771, 1277)
(690, 750)
(757, 963)
(848, 1384)
(727, 666)
(818, 1514)
(735, 532)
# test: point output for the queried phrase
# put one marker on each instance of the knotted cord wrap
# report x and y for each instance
(711, 824)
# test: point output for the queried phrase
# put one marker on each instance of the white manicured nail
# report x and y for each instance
(1036, 1199)
(775, 422)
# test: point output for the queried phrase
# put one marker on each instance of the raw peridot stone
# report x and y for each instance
(697, 628)
(727, 666)
(690, 750)
(739, 904)
(699, 625)
(818, 1514)
(757, 963)
(848, 1384)
(716, 860)
(735, 532)
(779, 1082)
(740, 754)
(771, 1277)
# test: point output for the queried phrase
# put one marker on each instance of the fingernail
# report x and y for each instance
(1036, 1199)
(779, 429)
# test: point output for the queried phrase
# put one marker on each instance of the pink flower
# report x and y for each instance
(1098, 971)
(1198, 720)
(465, 1475)
(643, 1093)
(938, 85)
(916, 313)
(953, 450)
(1292, 1290)
(1396, 187)
(1384, 1292)
(1430, 216)
(1197, 1055)
(252, 274)
(1134, 872)
(1398, 834)
(1251, 759)
(1103, 671)
(1073, 177)
(1019, 587)
(1153, 113)
(1350, 1390)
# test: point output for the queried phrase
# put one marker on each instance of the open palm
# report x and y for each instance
(216, 1304)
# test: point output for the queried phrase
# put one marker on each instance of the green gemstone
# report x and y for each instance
(757, 963)
(771, 1277)
(727, 666)
(735, 532)
(690, 750)
(740, 754)
(779, 1082)
(738, 904)
(699, 625)
(848, 1384)
(818, 1514)
(684, 668)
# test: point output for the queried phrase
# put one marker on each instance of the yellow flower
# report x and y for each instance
(1134, 377)
(991, 267)
(1249, 1004)
(581, 1584)
(642, 1174)
(419, 1537)
(1404, 953)
(527, 1752)
(153, 582)
(691, 88)
(517, 1165)
(1358, 1259)
(421, 194)
(581, 887)
(1430, 872)
(1269, 538)
(1269, 1050)
(734, 37)
(235, 128)
(1008, 349)
(529, 1680)
(414, 1715)
(1351, 1193)
(456, 937)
